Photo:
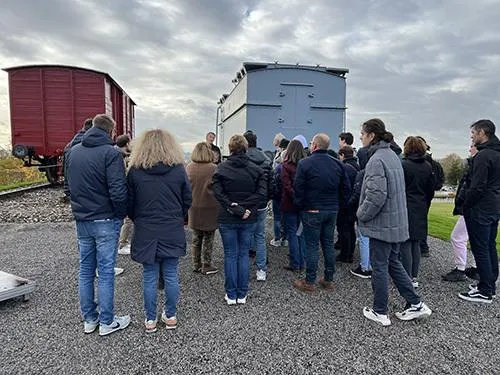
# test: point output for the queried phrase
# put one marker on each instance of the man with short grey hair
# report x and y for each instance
(321, 188)
(98, 192)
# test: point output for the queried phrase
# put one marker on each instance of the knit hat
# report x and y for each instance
(301, 139)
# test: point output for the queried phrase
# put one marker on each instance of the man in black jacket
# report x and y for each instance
(321, 187)
(98, 192)
(260, 159)
(481, 210)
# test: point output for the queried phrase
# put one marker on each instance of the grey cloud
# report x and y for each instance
(422, 66)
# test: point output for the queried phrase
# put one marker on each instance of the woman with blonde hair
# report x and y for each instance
(239, 186)
(203, 212)
(159, 196)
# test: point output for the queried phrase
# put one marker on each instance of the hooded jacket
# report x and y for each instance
(483, 194)
(260, 159)
(462, 189)
(321, 183)
(158, 200)
(237, 180)
(96, 178)
(419, 183)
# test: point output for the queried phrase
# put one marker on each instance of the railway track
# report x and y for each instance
(15, 192)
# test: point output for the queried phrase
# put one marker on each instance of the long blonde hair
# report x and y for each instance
(153, 147)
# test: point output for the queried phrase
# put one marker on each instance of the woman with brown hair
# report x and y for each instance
(419, 187)
(159, 196)
(239, 186)
(291, 213)
(203, 212)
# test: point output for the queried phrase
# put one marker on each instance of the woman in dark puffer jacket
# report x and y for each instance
(239, 186)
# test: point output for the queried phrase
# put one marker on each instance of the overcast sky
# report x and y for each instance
(426, 68)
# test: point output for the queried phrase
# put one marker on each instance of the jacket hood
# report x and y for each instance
(96, 137)
(257, 156)
(377, 146)
(77, 138)
(301, 139)
(160, 168)
(416, 158)
(493, 144)
(396, 148)
(238, 160)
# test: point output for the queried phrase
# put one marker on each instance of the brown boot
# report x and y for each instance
(303, 286)
(328, 285)
(207, 269)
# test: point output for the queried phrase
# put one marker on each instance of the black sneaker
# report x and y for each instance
(360, 273)
(475, 295)
(454, 275)
(252, 254)
(471, 273)
(425, 254)
(474, 287)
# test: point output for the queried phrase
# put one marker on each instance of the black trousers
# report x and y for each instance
(347, 237)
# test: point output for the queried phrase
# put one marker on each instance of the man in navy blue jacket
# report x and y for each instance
(98, 193)
(321, 187)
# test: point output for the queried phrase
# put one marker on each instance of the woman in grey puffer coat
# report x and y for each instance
(383, 217)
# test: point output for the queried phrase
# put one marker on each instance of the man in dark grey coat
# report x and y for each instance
(383, 217)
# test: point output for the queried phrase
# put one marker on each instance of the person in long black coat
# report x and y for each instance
(419, 182)
(158, 200)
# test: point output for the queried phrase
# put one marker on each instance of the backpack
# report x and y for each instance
(438, 173)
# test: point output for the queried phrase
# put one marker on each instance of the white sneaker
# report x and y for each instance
(415, 284)
(90, 326)
(284, 243)
(118, 271)
(229, 300)
(124, 250)
(241, 301)
(261, 275)
(377, 318)
(420, 311)
(276, 243)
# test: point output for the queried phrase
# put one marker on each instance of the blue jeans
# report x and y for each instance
(364, 252)
(98, 244)
(482, 229)
(319, 227)
(168, 268)
(296, 244)
(385, 261)
(276, 219)
(237, 240)
(259, 240)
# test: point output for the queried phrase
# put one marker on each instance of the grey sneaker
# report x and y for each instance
(89, 327)
(119, 323)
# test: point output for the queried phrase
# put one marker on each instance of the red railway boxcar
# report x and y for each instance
(48, 105)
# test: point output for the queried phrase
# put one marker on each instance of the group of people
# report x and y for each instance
(383, 200)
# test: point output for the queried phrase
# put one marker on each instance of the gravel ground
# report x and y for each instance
(279, 331)
(37, 206)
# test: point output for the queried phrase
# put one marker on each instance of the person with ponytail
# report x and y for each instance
(383, 217)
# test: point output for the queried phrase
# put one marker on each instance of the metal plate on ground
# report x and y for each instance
(12, 286)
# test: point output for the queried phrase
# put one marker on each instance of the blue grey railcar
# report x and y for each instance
(271, 98)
